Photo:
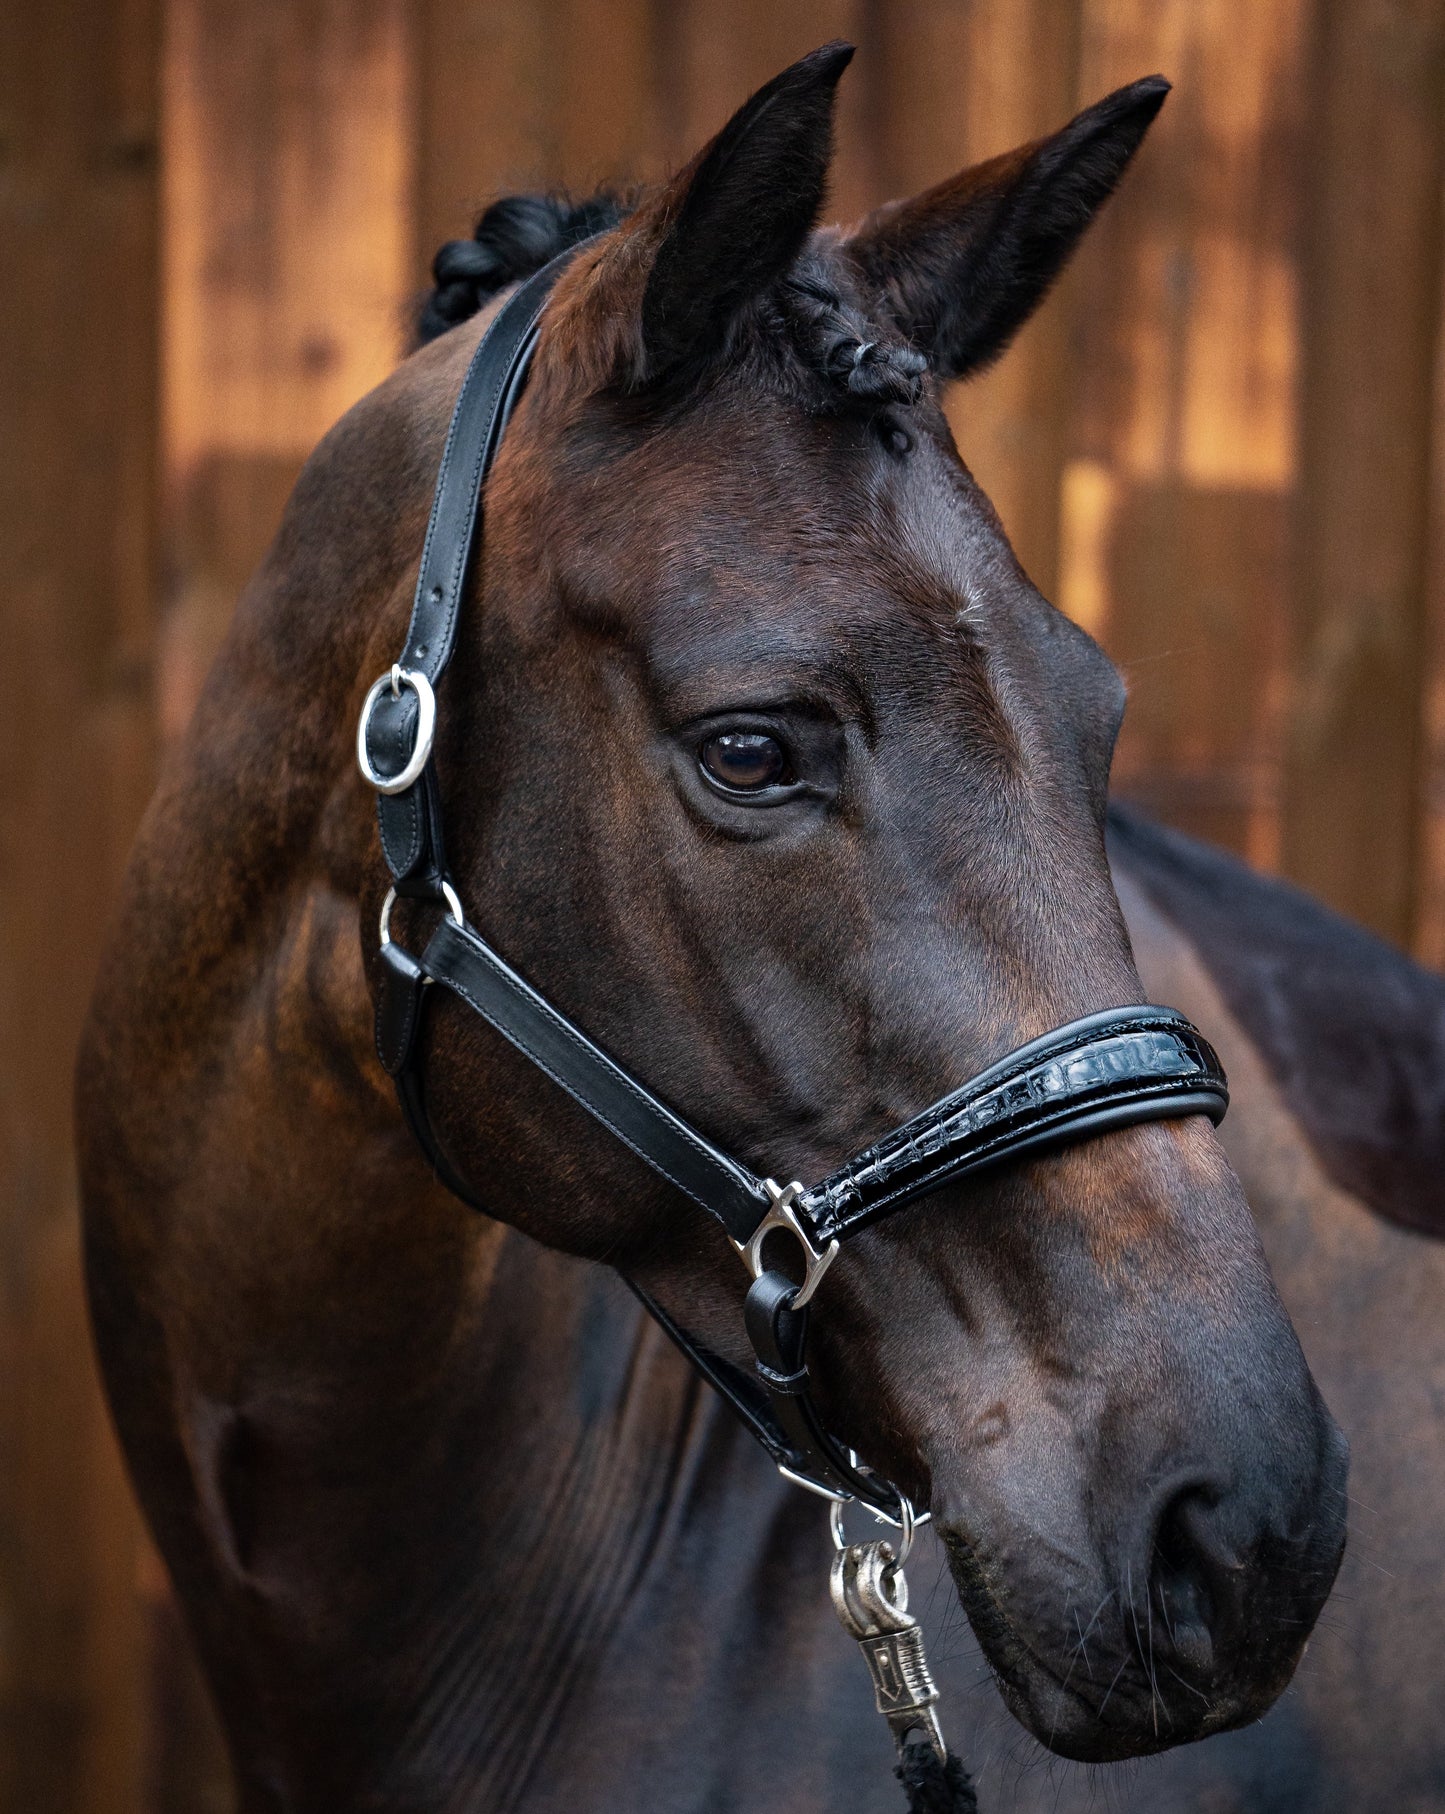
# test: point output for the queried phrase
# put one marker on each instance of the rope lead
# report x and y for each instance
(934, 1787)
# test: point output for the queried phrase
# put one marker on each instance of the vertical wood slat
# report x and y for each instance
(962, 81)
(724, 53)
(1377, 116)
(287, 202)
(77, 400)
(1428, 940)
(524, 94)
(1177, 493)
(516, 95)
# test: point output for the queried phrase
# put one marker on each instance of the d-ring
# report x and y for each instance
(454, 908)
(426, 724)
(781, 1214)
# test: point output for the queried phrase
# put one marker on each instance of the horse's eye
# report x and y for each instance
(745, 761)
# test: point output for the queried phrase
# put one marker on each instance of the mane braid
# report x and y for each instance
(514, 237)
(862, 363)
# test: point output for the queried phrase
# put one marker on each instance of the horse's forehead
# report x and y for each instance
(775, 514)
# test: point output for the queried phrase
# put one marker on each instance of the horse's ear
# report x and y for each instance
(963, 266)
(736, 218)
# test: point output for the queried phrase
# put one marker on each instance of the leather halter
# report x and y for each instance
(1113, 1069)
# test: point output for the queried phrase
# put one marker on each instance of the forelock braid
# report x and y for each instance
(514, 237)
(866, 363)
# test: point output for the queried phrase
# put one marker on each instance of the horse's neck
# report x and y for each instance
(624, 1525)
(466, 1474)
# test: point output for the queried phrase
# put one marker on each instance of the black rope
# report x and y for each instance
(933, 1787)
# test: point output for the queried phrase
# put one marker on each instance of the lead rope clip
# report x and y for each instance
(870, 1596)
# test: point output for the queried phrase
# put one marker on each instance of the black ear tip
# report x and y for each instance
(1145, 97)
(1122, 117)
(826, 64)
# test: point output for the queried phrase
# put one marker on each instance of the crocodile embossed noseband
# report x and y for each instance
(1109, 1070)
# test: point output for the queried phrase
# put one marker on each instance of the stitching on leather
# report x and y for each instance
(408, 1030)
(1158, 1020)
(963, 1159)
(404, 861)
(418, 610)
(1161, 1021)
(528, 1051)
(674, 1124)
(484, 456)
(453, 584)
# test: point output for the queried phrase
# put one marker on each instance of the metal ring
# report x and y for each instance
(906, 1524)
(781, 1214)
(426, 724)
(454, 908)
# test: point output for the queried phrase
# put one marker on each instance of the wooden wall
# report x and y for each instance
(1220, 447)
(78, 386)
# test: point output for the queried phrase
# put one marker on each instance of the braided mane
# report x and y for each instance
(862, 364)
(513, 238)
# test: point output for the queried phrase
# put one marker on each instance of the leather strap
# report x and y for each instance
(779, 1335)
(411, 821)
(469, 967)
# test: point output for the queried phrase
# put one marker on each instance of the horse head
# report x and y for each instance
(766, 762)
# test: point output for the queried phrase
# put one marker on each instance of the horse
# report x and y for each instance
(765, 761)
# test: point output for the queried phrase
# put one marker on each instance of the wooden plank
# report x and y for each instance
(720, 54)
(519, 95)
(1352, 829)
(288, 192)
(1177, 493)
(77, 463)
(964, 80)
(485, 108)
(1428, 939)
(605, 86)
(515, 95)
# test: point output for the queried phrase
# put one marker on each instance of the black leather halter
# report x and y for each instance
(1108, 1070)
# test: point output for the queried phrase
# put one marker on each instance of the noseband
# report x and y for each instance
(1108, 1070)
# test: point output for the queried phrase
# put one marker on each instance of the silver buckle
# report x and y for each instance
(426, 724)
(782, 1215)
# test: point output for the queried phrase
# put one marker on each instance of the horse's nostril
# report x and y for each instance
(1187, 1573)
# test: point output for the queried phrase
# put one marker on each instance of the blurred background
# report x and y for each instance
(1221, 447)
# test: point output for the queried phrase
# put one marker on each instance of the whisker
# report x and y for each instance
(1184, 1682)
(1112, 1686)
